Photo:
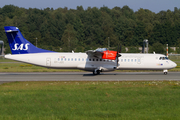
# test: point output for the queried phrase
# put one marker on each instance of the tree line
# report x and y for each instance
(82, 29)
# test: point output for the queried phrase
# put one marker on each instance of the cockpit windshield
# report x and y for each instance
(163, 58)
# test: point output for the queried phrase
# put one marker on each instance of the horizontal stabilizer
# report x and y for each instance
(11, 29)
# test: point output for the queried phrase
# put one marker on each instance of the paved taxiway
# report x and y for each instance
(88, 76)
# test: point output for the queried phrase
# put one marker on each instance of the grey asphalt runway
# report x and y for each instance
(88, 76)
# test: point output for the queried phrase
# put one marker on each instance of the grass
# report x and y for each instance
(90, 100)
(13, 66)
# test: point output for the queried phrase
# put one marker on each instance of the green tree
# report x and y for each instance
(133, 50)
(69, 38)
(92, 26)
(178, 50)
(79, 28)
(157, 48)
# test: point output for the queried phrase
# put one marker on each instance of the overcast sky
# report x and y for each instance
(153, 5)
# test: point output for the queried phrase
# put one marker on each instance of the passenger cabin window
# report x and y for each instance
(121, 60)
(64, 59)
(61, 59)
(124, 60)
(100, 59)
(89, 59)
(82, 59)
(71, 59)
(79, 59)
(96, 59)
(131, 60)
(68, 59)
(75, 59)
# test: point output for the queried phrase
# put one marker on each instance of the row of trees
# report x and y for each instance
(66, 29)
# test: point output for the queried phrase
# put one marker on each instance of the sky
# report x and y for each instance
(152, 5)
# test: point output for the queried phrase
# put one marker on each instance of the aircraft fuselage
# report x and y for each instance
(82, 61)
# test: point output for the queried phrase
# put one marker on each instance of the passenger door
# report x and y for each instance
(48, 61)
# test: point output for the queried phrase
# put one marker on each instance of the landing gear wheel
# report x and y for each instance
(96, 72)
(165, 73)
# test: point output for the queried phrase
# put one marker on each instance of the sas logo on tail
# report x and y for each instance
(20, 47)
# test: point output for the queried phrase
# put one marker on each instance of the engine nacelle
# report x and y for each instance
(111, 55)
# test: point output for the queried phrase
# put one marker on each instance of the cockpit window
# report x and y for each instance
(163, 58)
(166, 58)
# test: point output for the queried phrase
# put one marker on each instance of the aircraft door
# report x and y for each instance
(48, 61)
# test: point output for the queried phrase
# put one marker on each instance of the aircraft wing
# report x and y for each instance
(94, 53)
(98, 53)
(102, 53)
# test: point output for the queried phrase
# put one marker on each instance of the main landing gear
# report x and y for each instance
(165, 72)
(96, 72)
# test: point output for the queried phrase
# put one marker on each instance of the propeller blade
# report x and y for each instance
(120, 49)
(118, 55)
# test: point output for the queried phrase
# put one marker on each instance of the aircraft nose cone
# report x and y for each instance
(174, 64)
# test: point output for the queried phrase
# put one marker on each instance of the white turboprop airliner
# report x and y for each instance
(99, 60)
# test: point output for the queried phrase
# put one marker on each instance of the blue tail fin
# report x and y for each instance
(18, 44)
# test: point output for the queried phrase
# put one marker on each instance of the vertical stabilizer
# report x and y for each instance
(18, 44)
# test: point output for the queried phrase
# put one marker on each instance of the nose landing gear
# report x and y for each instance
(165, 72)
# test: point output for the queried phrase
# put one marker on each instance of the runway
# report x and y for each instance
(88, 76)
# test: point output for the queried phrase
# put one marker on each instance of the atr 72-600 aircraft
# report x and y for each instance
(99, 60)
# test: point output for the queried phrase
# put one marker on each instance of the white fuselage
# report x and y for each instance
(82, 61)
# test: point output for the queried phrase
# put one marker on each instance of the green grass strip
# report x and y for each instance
(90, 100)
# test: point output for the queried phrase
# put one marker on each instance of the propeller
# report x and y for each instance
(118, 55)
